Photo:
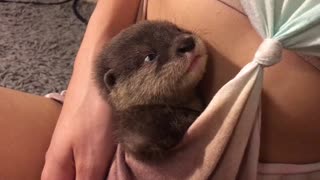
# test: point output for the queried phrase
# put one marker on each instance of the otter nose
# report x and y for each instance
(187, 44)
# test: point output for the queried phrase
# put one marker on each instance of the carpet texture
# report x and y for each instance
(38, 45)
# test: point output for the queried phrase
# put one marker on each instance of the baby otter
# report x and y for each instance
(149, 73)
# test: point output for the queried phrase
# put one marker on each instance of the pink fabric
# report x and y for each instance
(57, 96)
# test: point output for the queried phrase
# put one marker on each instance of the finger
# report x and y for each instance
(54, 172)
(92, 168)
(93, 163)
(59, 164)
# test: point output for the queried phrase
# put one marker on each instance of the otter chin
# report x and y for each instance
(149, 74)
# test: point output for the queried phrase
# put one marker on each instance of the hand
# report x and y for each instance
(82, 146)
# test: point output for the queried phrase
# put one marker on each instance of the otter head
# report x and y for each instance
(151, 62)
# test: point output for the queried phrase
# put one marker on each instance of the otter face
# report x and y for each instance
(151, 62)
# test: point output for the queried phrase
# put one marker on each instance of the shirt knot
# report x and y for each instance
(268, 53)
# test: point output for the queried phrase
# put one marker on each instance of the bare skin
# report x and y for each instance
(290, 128)
(27, 123)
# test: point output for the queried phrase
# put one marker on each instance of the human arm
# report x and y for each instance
(82, 145)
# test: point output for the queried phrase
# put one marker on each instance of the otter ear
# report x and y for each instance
(109, 79)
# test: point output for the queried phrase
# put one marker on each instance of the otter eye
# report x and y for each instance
(150, 57)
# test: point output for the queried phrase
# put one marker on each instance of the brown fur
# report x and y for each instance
(154, 102)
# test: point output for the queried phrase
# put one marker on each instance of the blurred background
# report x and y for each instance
(39, 40)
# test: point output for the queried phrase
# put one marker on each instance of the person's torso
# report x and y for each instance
(290, 115)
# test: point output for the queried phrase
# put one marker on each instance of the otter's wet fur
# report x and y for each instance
(149, 73)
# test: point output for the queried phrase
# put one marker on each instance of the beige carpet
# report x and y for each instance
(38, 44)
